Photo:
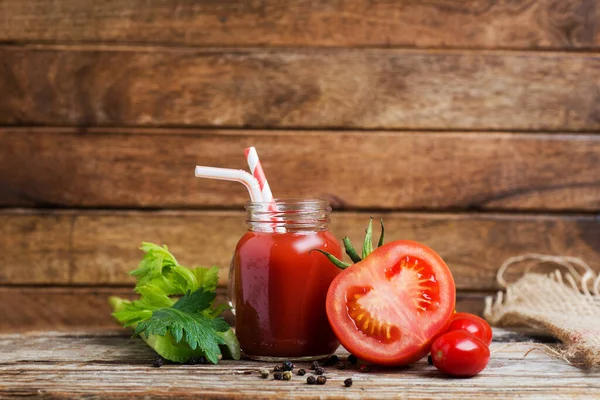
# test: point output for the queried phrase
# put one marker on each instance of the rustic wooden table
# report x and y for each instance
(111, 364)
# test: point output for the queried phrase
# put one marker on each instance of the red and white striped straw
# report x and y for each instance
(257, 171)
(236, 175)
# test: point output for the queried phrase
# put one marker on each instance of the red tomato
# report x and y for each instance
(472, 323)
(460, 353)
(388, 308)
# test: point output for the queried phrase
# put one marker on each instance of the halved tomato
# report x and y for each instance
(389, 308)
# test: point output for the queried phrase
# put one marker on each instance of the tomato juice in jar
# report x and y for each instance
(278, 285)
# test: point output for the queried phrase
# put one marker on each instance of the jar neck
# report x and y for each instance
(293, 215)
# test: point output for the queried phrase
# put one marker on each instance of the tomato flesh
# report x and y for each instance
(388, 308)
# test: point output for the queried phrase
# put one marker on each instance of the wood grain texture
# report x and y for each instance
(77, 308)
(104, 245)
(308, 88)
(108, 365)
(129, 167)
(554, 24)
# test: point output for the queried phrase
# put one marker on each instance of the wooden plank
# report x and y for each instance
(445, 23)
(310, 88)
(66, 366)
(132, 167)
(35, 246)
(82, 309)
(104, 244)
(67, 308)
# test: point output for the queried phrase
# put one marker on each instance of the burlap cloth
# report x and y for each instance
(564, 303)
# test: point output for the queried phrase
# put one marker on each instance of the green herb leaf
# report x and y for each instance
(177, 329)
(351, 251)
(185, 320)
(207, 278)
(368, 243)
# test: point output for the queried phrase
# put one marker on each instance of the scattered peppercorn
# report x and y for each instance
(348, 382)
(314, 365)
(331, 361)
(321, 380)
(341, 365)
(429, 360)
(287, 375)
(277, 368)
(301, 372)
(264, 373)
(287, 366)
(311, 380)
(158, 362)
(364, 368)
(352, 359)
(319, 370)
(278, 376)
(197, 360)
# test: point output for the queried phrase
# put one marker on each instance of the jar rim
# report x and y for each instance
(289, 214)
(293, 200)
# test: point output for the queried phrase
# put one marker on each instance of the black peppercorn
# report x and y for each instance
(352, 359)
(197, 360)
(331, 361)
(319, 370)
(341, 365)
(277, 368)
(429, 360)
(321, 380)
(301, 372)
(364, 368)
(314, 365)
(348, 382)
(311, 380)
(158, 362)
(287, 366)
(278, 376)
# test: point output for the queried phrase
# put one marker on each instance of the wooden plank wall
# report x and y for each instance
(471, 126)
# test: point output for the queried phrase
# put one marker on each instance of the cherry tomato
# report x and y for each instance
(388, 308)
(460, 353)
(472, 323)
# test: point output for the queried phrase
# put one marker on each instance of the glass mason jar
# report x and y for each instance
(277, 285)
